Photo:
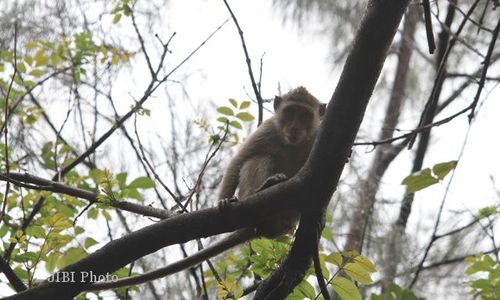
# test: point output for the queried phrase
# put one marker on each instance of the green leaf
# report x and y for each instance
(31, 45)
(132, 193)
(418, 181)
(3, 230)
(334, 258)
(55, 59)
(92, 213)
(52, 259)
(142, 183)
(478, 266)
(244, 116)
(223, 120)
(37, 73)
(28, 59)
(27, 256)
(225, 111)
(345, 289)
(236, 124)
(40, 58)
(442, 169)
(122, 178)
(59, 222)
(358, 273)
(244, 104)
(35, 231)
(481, 284)
(71, 256)
(89, 242)
(29, 83)
(79, 230)
(21, 273)
(305, 289)
(117, 18)
(233, 102)
(126, 10)
(96, 175)
(21, 67)
(327, 234)
(365, 263)
(487, 211)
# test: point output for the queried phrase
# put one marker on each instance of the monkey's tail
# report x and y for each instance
(216, 248)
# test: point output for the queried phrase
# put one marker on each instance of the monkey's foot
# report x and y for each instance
(272, 180)
(226, 203)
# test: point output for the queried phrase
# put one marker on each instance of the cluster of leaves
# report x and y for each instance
(427, 177)
(231, 118)
(395, 292)
(39, 60)
(122, 8)
(115, 188)
(54, 239)
(487, 287)
(488, 211)
(263, 256)
(51, 240)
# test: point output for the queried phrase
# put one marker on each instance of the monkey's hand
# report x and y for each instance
(225, 204)
(272, 180)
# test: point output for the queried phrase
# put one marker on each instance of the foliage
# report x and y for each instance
(488, 286)
(231, 118)
(395, 292)
(262, 256)
(427, 177)
(51, 239)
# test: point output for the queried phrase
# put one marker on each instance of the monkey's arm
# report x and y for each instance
(231, 179)
(216, 248)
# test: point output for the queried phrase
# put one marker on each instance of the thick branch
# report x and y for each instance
(320, 175)
(38, 183)
(178, 229)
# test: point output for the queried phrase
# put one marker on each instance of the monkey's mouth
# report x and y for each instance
(292, 139)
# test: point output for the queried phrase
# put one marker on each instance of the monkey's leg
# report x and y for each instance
(272, 180)
(225, 204)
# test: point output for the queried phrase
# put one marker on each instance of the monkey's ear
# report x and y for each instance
(277, 102)
(322, 109)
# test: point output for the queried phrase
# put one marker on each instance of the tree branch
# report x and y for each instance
(256, 90)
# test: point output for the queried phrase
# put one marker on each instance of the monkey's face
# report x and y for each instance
(297, 123)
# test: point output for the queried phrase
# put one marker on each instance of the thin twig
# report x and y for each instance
(5, 128)
(487, 61)
(208, 158)
(143, 47)
(193, 52)
(428, 26)
(441, 72)
(434, 235)
(249, 64)
(151, 168)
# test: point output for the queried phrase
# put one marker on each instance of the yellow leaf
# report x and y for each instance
(358, 273)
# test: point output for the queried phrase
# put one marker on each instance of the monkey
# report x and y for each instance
(276, 151)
